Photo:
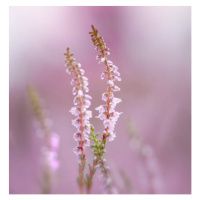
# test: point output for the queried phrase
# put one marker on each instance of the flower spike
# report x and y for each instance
(81, 104)
(107, 112)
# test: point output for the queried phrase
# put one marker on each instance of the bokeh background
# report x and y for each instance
(152, 48)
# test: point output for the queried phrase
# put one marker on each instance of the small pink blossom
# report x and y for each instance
(111, 136)
(51, 160)
(77, 136)
(110, 83)
(109, 62)
(55, 141)
(84, 78)
(115, 88)
(77, 151)
(100, 109)
(104, 96)
(76, 122)
(74, 90)
(116, 73)
(82, 71)
(101, 116)
(103, 75)
(116, 78)
(86, 89)
(102, 59)
(55, 164)
(86, 103)
(74, 111)
(80, 93)
(88, 97)
(114, 67)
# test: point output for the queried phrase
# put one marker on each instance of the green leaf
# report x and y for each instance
(84, 164)
(90, 168)
(79, 168)
(81, 157)
(85, 181)
(87, 177)
(92, 128)
(105, 141)
(96, 134)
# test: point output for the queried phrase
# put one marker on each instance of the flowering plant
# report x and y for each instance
(85, 131)
(51, 142)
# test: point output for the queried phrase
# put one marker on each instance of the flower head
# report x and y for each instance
(107, 112)
(81, 102)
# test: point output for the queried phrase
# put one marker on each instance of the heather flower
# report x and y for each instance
(75, 111)
(82, 103)
(106, 178)
(51, 141)
(51, 160)
(147, 155)
(55, 141)
(107, 112)
(85, 131)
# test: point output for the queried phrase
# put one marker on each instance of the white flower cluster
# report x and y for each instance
(81, 104)
(107, 112)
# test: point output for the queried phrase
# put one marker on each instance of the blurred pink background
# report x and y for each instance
(151, 47)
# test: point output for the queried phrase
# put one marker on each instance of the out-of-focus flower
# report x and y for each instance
(52, 140)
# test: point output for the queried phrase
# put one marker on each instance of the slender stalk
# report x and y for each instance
(81, 142)
(106, 112)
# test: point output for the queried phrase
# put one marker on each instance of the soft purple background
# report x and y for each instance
(152, 48)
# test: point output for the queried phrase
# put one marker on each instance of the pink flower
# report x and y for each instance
(77, 136)
(101, 116)
(77, 151)
(115, 89)
(55, 141)
(81, 102)
(74, 90)
(109, 120)
(88, 97)
(116, 73)
(107, 123)
(105, 96)
(80, 93)
(111, 136)
(86, 143)
(51, 160)
(116, 78)
(109, 62)
(115, 101)
(86, 103)
(110, 83)
(74, 111)
(55, 164)
(100, 109)
(103, 75)
(114, 67)
(102, 60)
(87, 114)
